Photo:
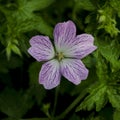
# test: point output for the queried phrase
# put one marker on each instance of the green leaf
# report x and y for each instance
(15, 104)
(33, 5)
(25, 8)
(101, 68)
(23, 43)
(114, 97)
(96, 98)
(110, 50)
(8, 52)
(29, 21)
(38, 23)
(12, 46)
(115, 4)
(107, 20)
(84, 4)
(116, 115)
(38, 5)
(22, 20)
(16, 50)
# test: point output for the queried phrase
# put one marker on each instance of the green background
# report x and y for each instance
(22, 98)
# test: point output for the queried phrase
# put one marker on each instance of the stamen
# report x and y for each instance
(60, 56)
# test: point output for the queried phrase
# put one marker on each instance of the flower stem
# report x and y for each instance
(55, 100)
(74, 103)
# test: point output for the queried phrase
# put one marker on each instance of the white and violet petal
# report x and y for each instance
(50, 75)
(73, 70)
(41, 48)
(82, 46)
(64, 33)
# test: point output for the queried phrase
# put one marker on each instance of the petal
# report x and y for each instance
(74, 70)
(81, 47)
(41, 48)
(64, 33)
(50, 75)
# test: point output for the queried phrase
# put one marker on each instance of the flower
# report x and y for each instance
(63, 59)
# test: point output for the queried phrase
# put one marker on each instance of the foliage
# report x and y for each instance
(21, 96)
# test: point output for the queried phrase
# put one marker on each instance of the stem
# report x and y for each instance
(71, 106)
(55, 100)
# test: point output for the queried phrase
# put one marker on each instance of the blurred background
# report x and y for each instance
(22, 98)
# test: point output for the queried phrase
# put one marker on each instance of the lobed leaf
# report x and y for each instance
(110, 50)
(96, 98)
(114, 97)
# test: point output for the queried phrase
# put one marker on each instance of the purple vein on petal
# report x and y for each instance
(41, 48)
(74, 70)
(81, 47)
(50, 75)
(64, 33)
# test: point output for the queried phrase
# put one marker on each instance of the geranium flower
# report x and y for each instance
(64, 58)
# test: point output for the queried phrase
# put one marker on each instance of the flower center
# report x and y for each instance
(60, 56)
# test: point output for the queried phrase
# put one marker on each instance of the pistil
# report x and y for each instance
(60, 56)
